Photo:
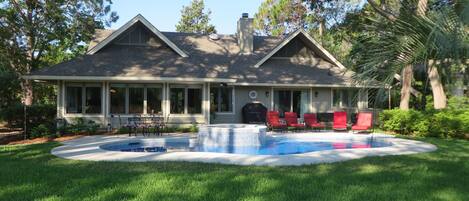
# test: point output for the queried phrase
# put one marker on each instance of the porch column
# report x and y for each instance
(206, 102)
(165, 106)
(59, 99)
(104, 103)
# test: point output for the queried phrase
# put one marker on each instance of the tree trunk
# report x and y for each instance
(27, 88)
(406, 82)
(439, 96)
(322, 29)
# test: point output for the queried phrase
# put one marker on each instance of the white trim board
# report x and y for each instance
(311, 39)
(122, 29)
(125, 78)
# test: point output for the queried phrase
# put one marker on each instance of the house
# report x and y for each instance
(195, 78)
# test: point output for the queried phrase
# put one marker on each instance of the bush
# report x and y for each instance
(40, 131)
(452, 122)
(38, 114)
(79, 125)
(400, 121)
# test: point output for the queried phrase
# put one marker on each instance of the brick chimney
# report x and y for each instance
(245, 34)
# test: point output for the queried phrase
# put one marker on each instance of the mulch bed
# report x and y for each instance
(44, 140)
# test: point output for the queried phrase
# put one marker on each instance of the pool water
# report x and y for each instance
(272, 146)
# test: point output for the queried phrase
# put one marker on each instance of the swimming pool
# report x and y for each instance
(282, 145)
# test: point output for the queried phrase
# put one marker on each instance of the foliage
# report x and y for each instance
(10, 88)
(40, 131)
(79, 126)
(452, 122)
(31, 172)
(195, 19)
(36, 115)
(412, 40)
(280, 17)
(34, 33)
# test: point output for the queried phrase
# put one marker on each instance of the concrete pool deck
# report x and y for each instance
(88, 148)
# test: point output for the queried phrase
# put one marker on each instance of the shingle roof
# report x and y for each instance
(207, 59)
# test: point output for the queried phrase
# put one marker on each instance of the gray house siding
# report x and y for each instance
(242, 98)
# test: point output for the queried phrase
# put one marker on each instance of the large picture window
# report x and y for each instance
(82, 99)
(345, 98)
(291, 101)
(185, 100)
(117, 96)
(136, 100)
(178, 97)
(221, 99)
(154, 98)
(93, 100)
(74, 100)
(130, 99)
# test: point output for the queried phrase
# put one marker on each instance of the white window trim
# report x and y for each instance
(83, 87)
(126, 86)
(291, 90)
(233, 102)
(349, 100)
(185, 87)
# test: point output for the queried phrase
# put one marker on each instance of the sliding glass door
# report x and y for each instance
(291, 101)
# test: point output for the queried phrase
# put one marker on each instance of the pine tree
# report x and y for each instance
(195, 19)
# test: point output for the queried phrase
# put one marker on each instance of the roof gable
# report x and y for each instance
(309, 41)
(128, 25)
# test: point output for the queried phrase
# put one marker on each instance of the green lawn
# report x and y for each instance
(32, 173)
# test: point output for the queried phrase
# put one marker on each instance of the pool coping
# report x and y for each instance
(87, 148)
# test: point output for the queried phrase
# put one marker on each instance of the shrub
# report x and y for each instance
(36, 115)
(79, 125)
(40, 131)
(123, 130)
(452, 122)
(398, 120)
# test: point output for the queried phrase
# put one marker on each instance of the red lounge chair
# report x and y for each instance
(340, 121)
(292, 120)
(364, 121)
(273, 121)
(311, 121)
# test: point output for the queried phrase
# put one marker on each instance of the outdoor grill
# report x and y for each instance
(254, 113)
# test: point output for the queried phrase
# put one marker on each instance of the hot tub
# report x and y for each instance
(232, 135)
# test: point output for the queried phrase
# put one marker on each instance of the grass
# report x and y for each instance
(30, 172)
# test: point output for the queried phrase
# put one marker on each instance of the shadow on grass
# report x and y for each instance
(30, 172)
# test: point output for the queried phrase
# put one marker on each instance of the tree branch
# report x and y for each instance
(381, 11)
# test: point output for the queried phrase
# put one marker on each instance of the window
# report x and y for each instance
(345, 98)
(130, 99)
(154, 100)
(194, 101)
(177, 100)
(74, 100)
(83, 99)
(291, 101)
(221, 99)
(93, 100)
(185, 100)
(136, 100)
(117, 100)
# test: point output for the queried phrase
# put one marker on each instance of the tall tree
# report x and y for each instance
(30, 30)
(416, 37)
(280, 17)
(195, 19)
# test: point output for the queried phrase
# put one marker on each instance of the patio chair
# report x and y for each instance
(340, 121)
(311, 121)
(292, 120)
(364, 121)
(273, 121)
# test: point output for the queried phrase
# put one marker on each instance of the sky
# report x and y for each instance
(165, 14)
